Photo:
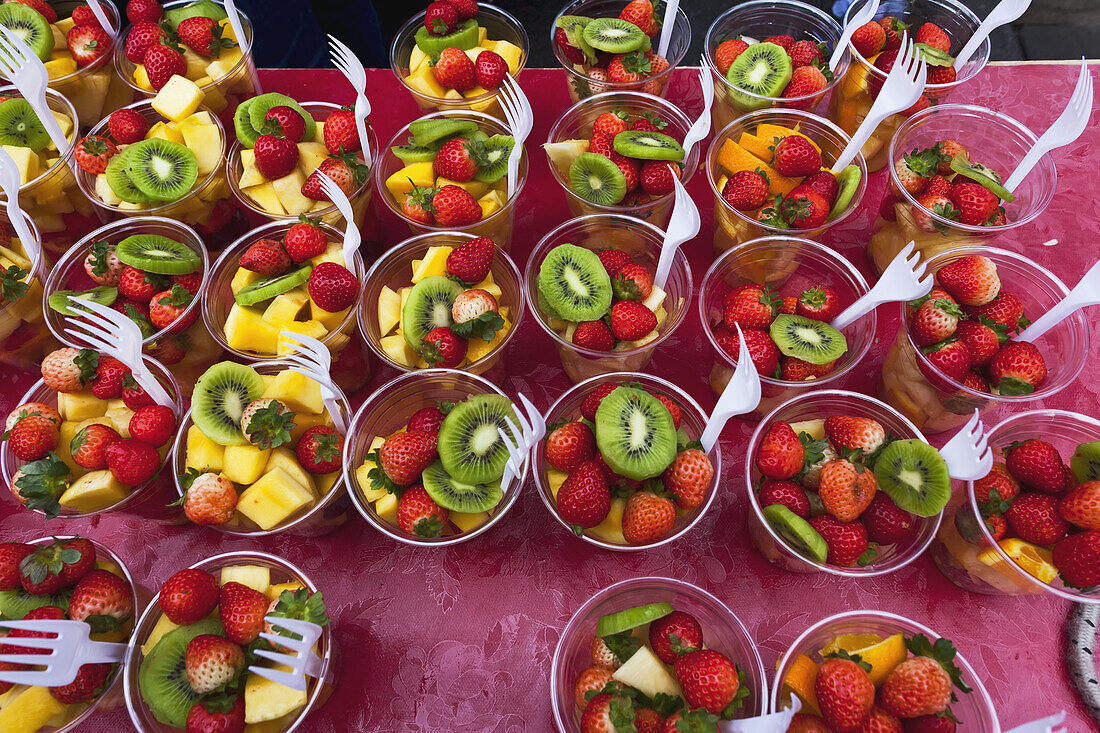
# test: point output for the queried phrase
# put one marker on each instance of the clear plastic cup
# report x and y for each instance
(576, 124)
(393, 270)
(984, 566)
(786, 265)
(24, 337)
(581, 85)
(498, 225)
(993, 139)
(319, 687)
(386, 412)
(693, 422)
(853, 98)
(936, 403)
(819, 405)
(642, 241)
(722, 631)
(733, 227)
(327, 514)
(762, 19)
(499, 26)
(974, 710)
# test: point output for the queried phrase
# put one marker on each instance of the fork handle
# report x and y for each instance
(1000, 15)
(362, 109)
(866, 303)
(1043, 146)
(94, 652)
(1082, 295)
(45, 115)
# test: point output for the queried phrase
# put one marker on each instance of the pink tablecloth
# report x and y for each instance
(461, 639)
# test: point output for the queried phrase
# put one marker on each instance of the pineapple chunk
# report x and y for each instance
(257, 577)
(424, 82)
(477, 189)
(276, 590)
(224, 64)
(303, 421)
(645, 672)
(467, 522)
(491, 203)
(196, 65)
(120, 416)
(362, 474)
(490, 287)
(310, 156)
(434, 263)
(483, 37)
(386, 507)
(165, 132)
(814, 428)
(242, 278)
(655, 299)
(284, 458)
(414, 174)
(416, 58)
(284, 308)
(266, 197)
(162, 627)
(57, 68)
(178, 98)
(30, 710)
(273, 498)
(67, 433)
(213, 99)
(27, 161)
(512, 54)
(202, 453)
(94, 491)
(244, 463)
(250, 174)
(205, 142)
(266, 700)
(64, 26)
(296, 392)
(389, 310)
(80, 405)
(331, 320)
(289, 191)
(246, 330)
(326, 481)
(611, 528)
(477, 348)
(313, 328)
(555, 478)
(398, 349)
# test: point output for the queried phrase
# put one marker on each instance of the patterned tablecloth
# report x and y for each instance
(461, 639)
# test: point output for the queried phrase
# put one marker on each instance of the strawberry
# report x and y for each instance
(820, 303)
(795, 156)
(610, 123)
(917, 686)
(630, 169)
(593, 335)
(787, 493)
(937, 204)
(134, 395)
(648, 123)
(142, 36)
(455, 207)
(608, 713)
(781, 453)
(11, 554)
(708, 678)
(210, 499)
(908, 178)
(287, 121)
(932, 35)
(848, 432)
(845, 694)
(807, 723)
(602, 143)
(975, 202)
(727, 52)
(168, 309)
(657, 177)
(762, 350)
(1077, 558)
(93, 153)
(32, 408)
(103, 600)
(750, 306)
(305, 240)
(647, 518)
(340, 134)
(33, 438)
(930, 724)
(980, 339)
(418, 514)
(886, 522)
(132, 462)
(804, 207)
(846, 489)
(153, 424)
(204, 36)
(881, 721)
(893, 28)
(648, 720)
(805, 53)
(1018, 368)
(470, 262)
(1035, 518)
(333, 287)
(102, 265)
(148, 11)
(266, 257)
(43, 8)
(584, 498)
(83, 15)
(1037, 464)
(952, 358)
(474, 307)
(640, 13)
(426, 420)
(935, 320)
(805, 81)
(783, 40)
(633, 282)
(1005, 309)
(746, 190)
(441, 18)
(490, 68)
(162, 63)
(688, 478)
(404, 456)
(188, 596)
(869, 39)
(42, 572)
(242, 610)
(1081, 505)
(455, 70)
(218, 718)
(937, 186)
(628, 68)
(569, 446)
(276, 156)
(443, 348)
(631, 320)
(672, 407)
(466, 9)
(613, 260)
(572, 54)
(592, 400)
(347, 173)
(211, 661)
(89, 446)
(457, 159)
(676, 629)
(593, 679)
(941, 75)
(847, 541)
(997, 487)
(418, 204)
(90, 680)
(825, 183)
(319, 450)
(68, 369)
(138, 285)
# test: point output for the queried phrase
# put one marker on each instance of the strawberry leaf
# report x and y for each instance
(12, 285)
(42, 482)
(88, 362)
(484, 326)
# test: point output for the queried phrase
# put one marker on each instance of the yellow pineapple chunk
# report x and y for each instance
(80, 405)
(414, 174)
(434, 263)
(196, 65)
(467, 522)
(285, 459)
(212, 95)
(266, 198)
(266, 700)
(246, 330)
(326, 481)
(362, 474)
(398, 349)
(296, 392)
(611, 528)
(202, 453)
(416, 58)
(94, 491)
(164, 132)
(289, 190)
(244, 463)
(30, 710)
(310, 156)
(386, 507)
(285, 307)
(310, 328)
(241, 279)
(303, 421)
(257, 577)
(476, 189)
(389, 310)
(554, 479)
(27, 161)
(423, 81)
(276, 590)
(205, 142)
(490, 287)
(331, 320)
(178, 98)
(274, 498)
(250, 174)
(511, 53)
(162, 627)
(477, 347)
(57, 68)
(483, 37)
(491, 203)
(228, 59)
(120, 416)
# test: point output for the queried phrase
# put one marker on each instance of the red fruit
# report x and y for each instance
(346, 172)
(154, 424)
(746, 190)
(997, 486)
(211, 500)
(869, 39)
(202, 720)
(846, 489)
(457, 160)
(1081, 505)
(976, 203)
(1037, 464)
(934, 36)
(162, 63)
(11, 554)
(466, 9)
(569, 446)
(455, 207)
(886, 522)
(573, 54)
(750, 306)
(941, 75)
(333, 287)
(455, 70)
(132, 462)
(847, 541)
(340, 133)
(418, 204)
(167, 309)
(825, 183)
(640, 13)
(792, 369)
(1005, 310)
(672, 407)
(584, 498)
(629, 68)
(490, 68)
(910, 180)
(805, 81)
(102, 599)
(762, 350)
(727, 52)
(305, 240)
(647, 720)
(188, 596)
(127, 125)
(1018, 368)
(893, 27)
(319, 450)
(137, 285)
(795, 156)
(204, 36)
(210, 661)
(471, 261)
(418, 515)
(980, 339)
(657, 177)
(276, 156)
(592, 679)
(89, 446)
(935, 320)
(952, 359)
(806, 723)
(683, 626)
(804, 207)
(143, 10)
(443, 348)
(688, 478)
(787, 493)
(845, 694)
(601, 712)
(93, 153)
(647, 518)
(630, 169)
(43, 7)
(426, 420)
(90, 679)
(602, 143)
(708, 678)
(1077, 558)
(854, 433)
(820, 303)
(881, 721)
(441, 18)
(134, 395)
(937, 186)
(781, 453)
(33, 438)
(610, 123)
(633, 282)
(404, 456)
(266, 257)
(68, 370)
(289, 122)
(594, 335)
(142, 36)
(1035, 518)
(917, 686)
(929, 724)
(592, 400)
(242, 610)
(784, 41)
(805, 53)
(631, 320)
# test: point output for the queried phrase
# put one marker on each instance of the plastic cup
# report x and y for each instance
(974, 710)
(693, 422)
(386, 412)
(993, 139)
(733, 227)
(642, 241)
(582, 85)
(935, 402)
(984, 566)
(788, 265)
(762, 19)
(576, 124)
(24, 337)
(722, 631)
(497, 226)
(393, 270)
(327, 514)
(319, 687)
(854, 97)
(821, 404)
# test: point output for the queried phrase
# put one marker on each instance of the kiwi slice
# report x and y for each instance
(200, 9)
(120, 183)
(261, 104)
(267, 288)
(428, 306)
(102, 294)
(470, 447)
(465, 36)
(496, 150)
(614, 35)
(648, 145)
(161, 169)
(162, 676)
(242, 124)
(15, 604)
(1085, 463)
(595, 178)
(157, 254)
(796, 532)
(804, 338)
(914, 475)
(458, 496)
(31, 27)
(426, 132)
(574, 33)
(414, 153)
(848, 179)
(575, 283)
(635, 434)
(219, 399)
(981, 174)
(632, 618)
(762, 69)
(19, 125)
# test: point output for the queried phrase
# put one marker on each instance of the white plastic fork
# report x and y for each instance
(1044, 725)
(1086, 292)
(865, 14)
(114, 334)
(68, 651)
(902, 88)
(25, 70)
(349, 65)
(776, 722)
(1067, 128)
(97, 11)
(9, 183)
(968, 454)
(517, 110)
(741, 395)
(531, 430)
(352, 237)
(312, 360)
(667, 24)
(235, 22)
(1005, 12)
(903, 279)
(701, 127)
(302, 660)
(683, 225)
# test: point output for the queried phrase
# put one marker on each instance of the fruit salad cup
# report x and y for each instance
(24, 337)
(859, 87)
(280, 472)
(747, 205)
(87, 439)
(420, 270)
(242, 587)
(796, 273)
(980, 545)
(847, 517)
(92, 580)
(626, 63)
(637, 245)
(914, 383)
(881, 640)
(578, 465)
(402, 451)
(780, 22)
(411, 164)
(992, 139)
(634, 613)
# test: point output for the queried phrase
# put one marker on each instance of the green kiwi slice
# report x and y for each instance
(31, 27)
(763, 69)
(796, 532)
(102, 294)
(632, 618)
(614, 35)
(465, 37)
(804, 338)
(414, 153)
(426, 132)
(470, 447)
(261, 104)
(848, 179)
(162, 676)
(1085, 462)
(242, 124)
(914, 475)
(267, 288)
(494, 165)
(201, 9)
(427, 307)
(575, 283)
(161, 169)
(981, 174)
(635, 433)
(219, 399)
(15, 604)
(157, 254)
(121, 184)
(19, 125)
(574, 33)
(648, 145)
(458, 496)
(595, 178)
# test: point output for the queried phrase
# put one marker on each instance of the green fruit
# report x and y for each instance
(19, 125)
(631, 618)
(15, 604)
(219, 399)
(157, 254)
(267, 288)
(575, 283)
(647, 145)
(120, 182)
(242, 124)
(804, 338)
(426, 132)
(456, 496)
(848, 179)
(200, 9)
(465, 37)
(261, 104)
(595, 178)
(915, 476)
(427, 307)
(495, 163)
(102, 294)
(1085, 463)
(635, 433)
(30, 26)
(161, 169)
(796, 532)
(470, 447)
(162, 676)
(414, 154)
(980, 174)
(762, 69)
(614, 35)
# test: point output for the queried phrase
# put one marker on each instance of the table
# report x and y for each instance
(461, 639)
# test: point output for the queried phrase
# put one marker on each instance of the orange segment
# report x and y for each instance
(756, 146)
(1034, 560)
(882, 654)
(800, 681)
(735, 159)
(769, 133)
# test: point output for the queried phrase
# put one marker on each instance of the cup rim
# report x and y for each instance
(63, 158)
(104, 61)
